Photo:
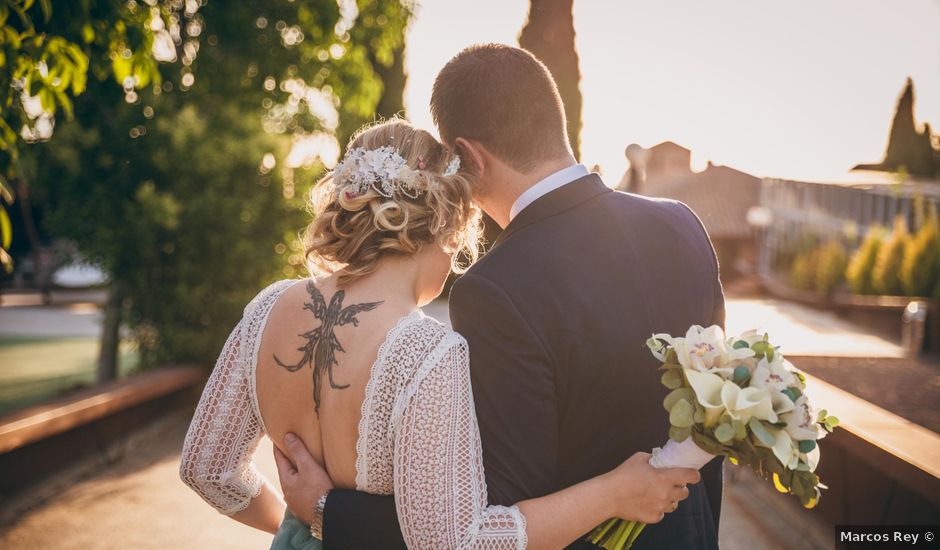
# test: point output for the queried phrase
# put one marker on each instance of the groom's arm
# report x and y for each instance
(350, 519)
(514, 391)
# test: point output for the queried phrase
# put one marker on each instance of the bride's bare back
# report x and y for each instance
(319, 345)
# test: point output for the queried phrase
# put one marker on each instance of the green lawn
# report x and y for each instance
(35, 369)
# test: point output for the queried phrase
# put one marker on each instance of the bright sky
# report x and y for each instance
(797, 89)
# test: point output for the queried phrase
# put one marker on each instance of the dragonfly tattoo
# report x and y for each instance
(322, 345)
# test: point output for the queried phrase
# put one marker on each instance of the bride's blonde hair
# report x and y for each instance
(352, 231)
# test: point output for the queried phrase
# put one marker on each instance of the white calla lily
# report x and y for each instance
(707, 388)
(718, 395)
(747, 403)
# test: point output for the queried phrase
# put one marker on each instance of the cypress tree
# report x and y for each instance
(908, 148)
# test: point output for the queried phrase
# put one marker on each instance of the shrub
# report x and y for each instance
(860, 268)
(886, 277)
(921, 265)
(803, 270)
(831, 260)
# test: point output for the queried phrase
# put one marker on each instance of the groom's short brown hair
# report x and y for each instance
(503, 98)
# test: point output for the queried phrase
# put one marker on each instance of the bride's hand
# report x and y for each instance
(643, 493)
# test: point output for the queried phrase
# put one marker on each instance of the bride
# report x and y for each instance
(380, 393)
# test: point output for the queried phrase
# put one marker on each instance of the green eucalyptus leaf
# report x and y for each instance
(760, 432)
(792, 393)
(740, 430)
(807, 445)
(724, 433)
(675, 395)
(680, 415)
(741, 376)
(672, 379)
(679, 434)
(740, 344)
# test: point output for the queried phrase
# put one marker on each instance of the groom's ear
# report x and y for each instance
(472, 153)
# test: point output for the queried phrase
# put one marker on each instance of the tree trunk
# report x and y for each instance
(393, 78)
(111, 336)
(549, 34)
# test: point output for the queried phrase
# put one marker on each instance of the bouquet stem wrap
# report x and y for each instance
(618, 534)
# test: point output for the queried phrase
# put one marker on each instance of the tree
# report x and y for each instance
(549, 35)
(46, 56)
(388, 63)
(196, 186)
(908, 148)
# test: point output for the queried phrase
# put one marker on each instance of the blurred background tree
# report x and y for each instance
(549, 34)
(46, 55)
(910, 151)
(189, 191)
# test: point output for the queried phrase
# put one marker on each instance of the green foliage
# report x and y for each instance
(820, 268)
(862, 264)
(183, 192)
(886, 276)
(830, 269)
(803, 270)
(47, 56)
(909, 148)
(920, 270)
(549, 34)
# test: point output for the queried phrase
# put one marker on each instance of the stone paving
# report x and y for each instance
(139, 503)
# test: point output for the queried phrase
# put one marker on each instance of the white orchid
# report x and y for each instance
(787, 451)
(718, 396)
(774, 375)
(702, 349)
(801, 421)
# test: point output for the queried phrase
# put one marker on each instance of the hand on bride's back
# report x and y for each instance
(643, 493)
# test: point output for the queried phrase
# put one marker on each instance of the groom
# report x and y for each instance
(556, 313)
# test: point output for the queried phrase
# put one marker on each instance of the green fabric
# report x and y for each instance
(294, 535)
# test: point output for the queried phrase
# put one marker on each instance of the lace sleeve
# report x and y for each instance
(440, 490)
(224, 434)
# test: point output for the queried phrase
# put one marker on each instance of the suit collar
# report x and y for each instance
(564, 198)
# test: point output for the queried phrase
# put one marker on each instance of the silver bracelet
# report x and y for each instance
(316, 527)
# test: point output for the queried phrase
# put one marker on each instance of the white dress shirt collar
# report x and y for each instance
(546, 186)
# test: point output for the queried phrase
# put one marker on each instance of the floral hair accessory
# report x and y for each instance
(383, 170)
(453, 166)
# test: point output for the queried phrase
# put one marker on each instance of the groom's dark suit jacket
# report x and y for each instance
(557, 314)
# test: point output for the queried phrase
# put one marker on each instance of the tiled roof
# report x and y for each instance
(721, 196)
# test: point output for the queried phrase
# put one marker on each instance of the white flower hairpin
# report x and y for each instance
(453, 166)
(383, 170)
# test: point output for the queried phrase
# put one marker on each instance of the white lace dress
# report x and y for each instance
(418, 436)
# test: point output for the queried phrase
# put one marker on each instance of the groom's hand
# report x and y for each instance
(303, 480)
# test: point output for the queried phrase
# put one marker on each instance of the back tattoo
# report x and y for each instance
(322, 344)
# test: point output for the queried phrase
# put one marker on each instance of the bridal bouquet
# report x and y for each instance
(736, 397)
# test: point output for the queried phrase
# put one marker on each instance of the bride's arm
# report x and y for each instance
(440, 489)
(217, 455)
